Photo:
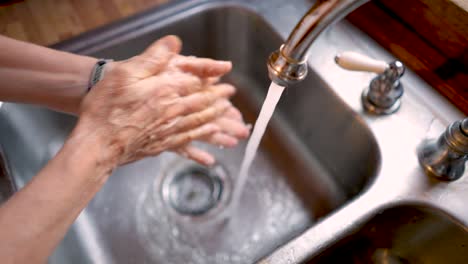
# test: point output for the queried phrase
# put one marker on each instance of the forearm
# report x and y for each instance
(146, 105)
(39, 75)
(36, 218)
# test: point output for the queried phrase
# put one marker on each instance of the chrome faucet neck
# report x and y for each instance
(288, 65)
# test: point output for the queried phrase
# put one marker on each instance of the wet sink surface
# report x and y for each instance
(301, 173)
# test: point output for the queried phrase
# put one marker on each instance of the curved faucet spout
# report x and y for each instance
(288, 65)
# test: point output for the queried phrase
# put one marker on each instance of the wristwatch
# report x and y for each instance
(98, 72)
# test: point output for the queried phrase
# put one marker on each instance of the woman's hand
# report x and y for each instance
(160, 101)
(153, 102)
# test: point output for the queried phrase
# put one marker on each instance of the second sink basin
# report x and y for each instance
(316, 155)
(403, 234)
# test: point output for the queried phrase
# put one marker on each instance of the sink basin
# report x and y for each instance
(316, 156)
(6, 186)
(403, 234)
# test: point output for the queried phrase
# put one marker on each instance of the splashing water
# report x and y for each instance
(268, 107)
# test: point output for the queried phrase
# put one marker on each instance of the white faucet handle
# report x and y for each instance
(357, 62)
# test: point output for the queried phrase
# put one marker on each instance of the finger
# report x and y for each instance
(222, 139)
(211, 80)
(182, 139)
(171, 42)
(171, 83)
(223, 89)
(154, 58)
(197, 155)
(183, 84)
(234, 113)
(197, 119)
(232, 127)
(197, 101)
(203, 67)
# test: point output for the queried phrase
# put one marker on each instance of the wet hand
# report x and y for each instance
(161, 101)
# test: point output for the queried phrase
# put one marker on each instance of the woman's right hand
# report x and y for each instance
(160, 101)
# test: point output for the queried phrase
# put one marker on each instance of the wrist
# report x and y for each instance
(83, 69)
(95, 146)
(97, 73)
(73, 85)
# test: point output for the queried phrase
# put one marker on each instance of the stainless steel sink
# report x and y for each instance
(300, 175)
(325, 181)
(6, 186)
(403, 234)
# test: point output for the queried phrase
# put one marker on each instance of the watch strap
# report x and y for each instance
(97, 73)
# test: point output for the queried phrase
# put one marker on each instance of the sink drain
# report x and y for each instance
(193, 189)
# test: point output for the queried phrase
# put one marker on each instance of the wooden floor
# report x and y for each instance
(46, 22)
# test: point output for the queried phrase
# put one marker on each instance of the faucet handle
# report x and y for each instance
(357, 62)
(444, 158)
(382, 97)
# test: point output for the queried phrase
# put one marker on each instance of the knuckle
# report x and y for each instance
(185, 108)
(191, 136)
(208, 70)
(194, 82)
(208, 98)
(183, 139)
(180, 125)
(198, 118)
(176, 109)
(187, 84)
(152, 62)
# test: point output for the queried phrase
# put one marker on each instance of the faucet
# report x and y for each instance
(288, 65)
(382, 97)
(444, 158)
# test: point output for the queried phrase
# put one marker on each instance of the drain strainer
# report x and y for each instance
(193, 189)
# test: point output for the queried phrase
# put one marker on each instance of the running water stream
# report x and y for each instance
(233, 232)
(268, 107)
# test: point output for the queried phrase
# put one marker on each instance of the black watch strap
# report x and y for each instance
(98, 72)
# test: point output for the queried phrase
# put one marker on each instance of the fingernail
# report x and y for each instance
(229, 142)
(223, 105)
(231, 89)
(225, 63)
(213, 128)
(233, 142)
(248, 130)
(209, 161)
(170, 42)
(227, 104)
